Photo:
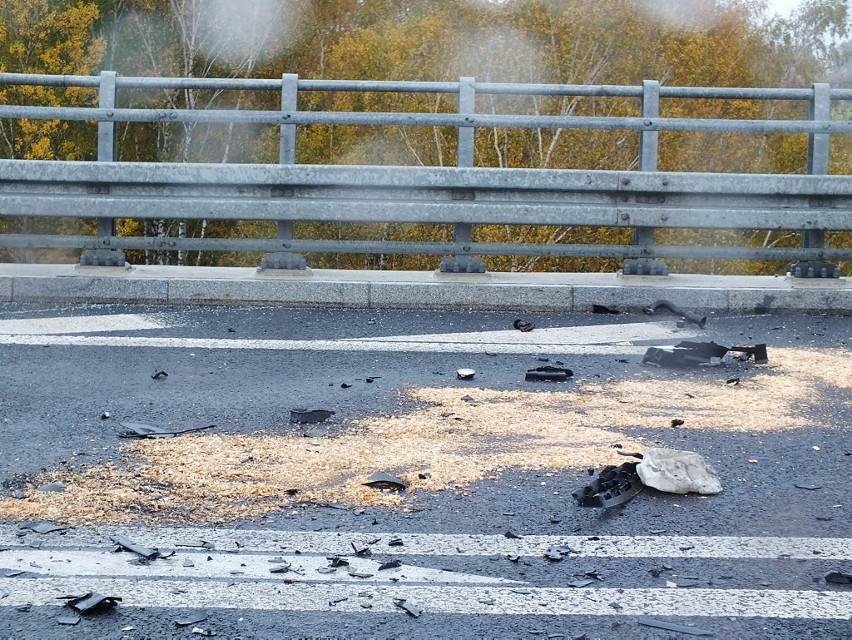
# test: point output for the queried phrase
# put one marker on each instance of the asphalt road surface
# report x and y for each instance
(747, 563)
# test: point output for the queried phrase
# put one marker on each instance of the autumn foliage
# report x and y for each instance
(733, 43)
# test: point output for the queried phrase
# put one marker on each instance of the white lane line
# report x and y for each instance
(578, 335)
(213, 564)
(315, 345)
(173, 594)
(79, 324)
(413, 544)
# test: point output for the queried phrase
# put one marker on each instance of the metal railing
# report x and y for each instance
(463, 196)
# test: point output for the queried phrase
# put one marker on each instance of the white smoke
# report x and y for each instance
(685, 15)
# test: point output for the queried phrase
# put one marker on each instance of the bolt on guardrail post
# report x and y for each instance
(818, 156)
(465, 156)
(648, 153)
(286, 155)
(107, 140)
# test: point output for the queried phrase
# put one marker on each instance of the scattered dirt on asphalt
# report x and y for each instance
(452, 437)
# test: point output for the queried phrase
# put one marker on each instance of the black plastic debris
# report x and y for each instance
(361, 551)
(512, 535)
(549, 374)
(371, 378)
(391, 564)
(381, 480)
(306, 416)
(284, 568)
(700, 354)
(197, 545)
(337, 561)
(671, 626)
(52, 487)
(192, 619)
(396, 542)
(43, 527)
(613, 486)
(677, 422)
(68, 621)
(837, 577)
(808, 486)
(688, 316)
(128, 545)
(758, 352)
(91, 601)
(410, 609)
(599, 308)
(345, 385)
(141, 430)
(734, 381)
(523, 325)
(360, 574)
(105, 415)
(159, 375)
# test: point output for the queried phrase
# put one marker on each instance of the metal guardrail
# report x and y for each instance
(464, 196)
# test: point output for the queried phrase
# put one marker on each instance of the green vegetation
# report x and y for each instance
(622, 42)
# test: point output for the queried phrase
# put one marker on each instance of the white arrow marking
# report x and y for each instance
(568, 340)
(79, 324)
(238, 594)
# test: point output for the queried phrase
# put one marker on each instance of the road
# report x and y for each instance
(471, 535)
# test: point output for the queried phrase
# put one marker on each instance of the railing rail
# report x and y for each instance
(463, 196)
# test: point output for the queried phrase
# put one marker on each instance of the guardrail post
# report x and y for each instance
(649, 142)
(286, 155)
(106, 153)
(818, 155)
(464, 232)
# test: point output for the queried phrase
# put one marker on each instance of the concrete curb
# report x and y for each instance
(417, 290)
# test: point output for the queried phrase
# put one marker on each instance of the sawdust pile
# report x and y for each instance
(448, 441)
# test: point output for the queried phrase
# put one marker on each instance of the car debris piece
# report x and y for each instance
(69, 621)
(613, 486)
(193, 619)
(141, 430)
(676, 471)
(391, 564)
(316, 432)
(599, 308)
(337, 561)
(42, 527)
(306, 416)
(511, 535)
(758, 352)
(410, 609)
(381, 480)
(465, 374)
(360, 574)
(549, 374)
(671, 626)
(688, 316)
(138, 549)
(396, 542)
(89, 602)
(159, 375)
(579, 584)
(837, 577)
(677, 422)
(52, 487)
(206, 633)
(809, 486)
(523, 325)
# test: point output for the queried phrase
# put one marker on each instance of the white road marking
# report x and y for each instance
(213, 564)
(432, 544)
(79, 324)
(597, 340)
(268, 596)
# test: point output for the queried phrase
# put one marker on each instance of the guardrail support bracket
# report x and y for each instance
(282, 260)
(102, 258)
(814, 269)
(644, 267)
